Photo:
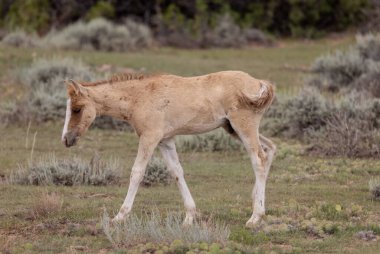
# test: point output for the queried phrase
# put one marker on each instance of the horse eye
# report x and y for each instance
(76, 110)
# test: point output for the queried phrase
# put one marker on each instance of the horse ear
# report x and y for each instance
(74, 88)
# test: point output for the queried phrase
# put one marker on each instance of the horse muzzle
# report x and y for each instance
(70, 139)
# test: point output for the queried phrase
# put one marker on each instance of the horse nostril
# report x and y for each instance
(65, 141)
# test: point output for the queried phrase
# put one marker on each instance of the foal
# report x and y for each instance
(163, 106)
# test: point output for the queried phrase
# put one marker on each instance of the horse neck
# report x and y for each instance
(110, 100)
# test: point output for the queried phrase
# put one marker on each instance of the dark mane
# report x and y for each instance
(119, 77)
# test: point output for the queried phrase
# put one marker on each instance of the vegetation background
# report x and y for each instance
(324, 186)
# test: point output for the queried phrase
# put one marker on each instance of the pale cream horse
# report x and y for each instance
(163, 106)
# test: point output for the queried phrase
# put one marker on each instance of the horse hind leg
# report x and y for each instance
(246, 124)
(168, 151)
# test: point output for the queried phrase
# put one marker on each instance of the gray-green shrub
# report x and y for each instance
(369, 46)
(345, 127)
(226, 34)
(44, 78)
(293, 116)
(220, 30)
(156, 173)
(100, 34)
(156, 229)
(356, 68)
(344, 136)
(20, 39)
(46, 93)
(351, 129)
(50, 170)
(339, 70)
(214, 141)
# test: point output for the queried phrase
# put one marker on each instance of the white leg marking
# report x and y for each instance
(145, 151)
(67, 119)
(170, 155)
(258, 193)
(261, 172)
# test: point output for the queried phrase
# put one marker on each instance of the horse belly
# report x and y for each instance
(195, 122)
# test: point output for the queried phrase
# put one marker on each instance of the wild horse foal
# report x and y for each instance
(160, 107)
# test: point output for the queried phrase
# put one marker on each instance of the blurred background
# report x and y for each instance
(324, 187)
(199, 23)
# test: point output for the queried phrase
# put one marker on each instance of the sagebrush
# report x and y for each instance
(356, 68)
(50, 170)
(100, 34)
(348, 126)
(46, 94)
(293, 116)
(20, 39)
(44, 82)
(215, 141)
(156, 173)
(157, 229)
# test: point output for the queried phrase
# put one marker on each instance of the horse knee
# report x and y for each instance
(137, 176)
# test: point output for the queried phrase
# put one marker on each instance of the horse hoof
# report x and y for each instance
(253, 221)
(188, 221)
(117, 220)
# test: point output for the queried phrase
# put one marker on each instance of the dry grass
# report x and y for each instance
(154, 228)
(46, 204)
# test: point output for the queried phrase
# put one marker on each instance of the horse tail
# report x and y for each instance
(263, 99)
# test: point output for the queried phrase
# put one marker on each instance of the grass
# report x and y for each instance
(151, 227)
(221, 182)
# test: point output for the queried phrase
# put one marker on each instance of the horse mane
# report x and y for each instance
(119, 77)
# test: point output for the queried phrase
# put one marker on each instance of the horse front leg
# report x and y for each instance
(147, 144)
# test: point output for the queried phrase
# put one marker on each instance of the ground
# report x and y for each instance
(302, 191)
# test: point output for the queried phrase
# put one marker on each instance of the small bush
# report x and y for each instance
(156, 172)
(51, 170)
(46, 204)
(214, 141)
(20, 39)
(352, 130)
(253, 35)
(155, 229)
(100, 34)
(14, 112)
(347, 127)
(369, 83)
(294, 116)
(374, 188)
(357, 68)
(338, 70)
(47, 92)
(141, 34)
(226, 34)
(369, 46)
(206, 31)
